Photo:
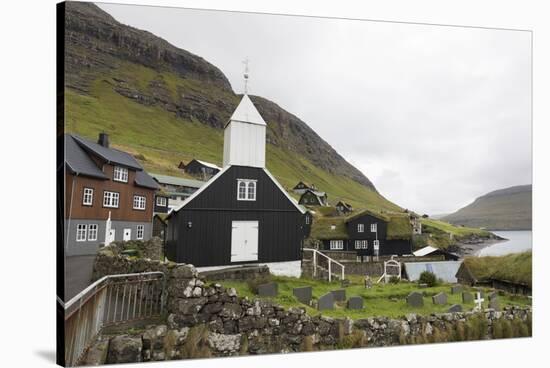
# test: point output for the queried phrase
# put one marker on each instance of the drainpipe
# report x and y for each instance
(70, 215)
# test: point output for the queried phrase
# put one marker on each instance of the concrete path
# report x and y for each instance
(78, 274)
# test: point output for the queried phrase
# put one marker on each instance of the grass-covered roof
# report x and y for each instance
(399, 227)
(516, 268)
(379, 215)
(322, 228)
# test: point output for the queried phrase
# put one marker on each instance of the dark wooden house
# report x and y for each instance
(302, 186)
(242, 215)
(201, 169)
(313, 198)
(108, 196)
(344, 208)
(367, 233)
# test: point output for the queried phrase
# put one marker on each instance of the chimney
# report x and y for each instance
(103, 140)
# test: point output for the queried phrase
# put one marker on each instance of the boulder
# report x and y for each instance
(124, 349)
(224, 343)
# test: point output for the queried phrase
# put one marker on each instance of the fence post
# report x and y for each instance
(314, 263)
(343, 267)
(329, 270)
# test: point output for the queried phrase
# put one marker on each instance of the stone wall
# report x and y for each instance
(207, 319)
(235, 273)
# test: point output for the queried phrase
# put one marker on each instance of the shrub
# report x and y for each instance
(427, 278)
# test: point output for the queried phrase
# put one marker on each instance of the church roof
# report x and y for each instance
(246, 113)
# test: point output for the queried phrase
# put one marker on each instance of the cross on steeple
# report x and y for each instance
(245, 75)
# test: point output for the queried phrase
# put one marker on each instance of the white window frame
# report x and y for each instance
(111, 199)
(81, 232)
(360, 228)
(140, 229)
(93, 229)
(120, 174)
(250, 187)
(374, 227)
(140, 202)
(88, 196)
(376, 245)
(361, 244)
(336, 244)
(161, 201)
(307, 220)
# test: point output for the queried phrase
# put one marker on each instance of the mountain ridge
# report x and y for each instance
(502, 209)
(107, 61)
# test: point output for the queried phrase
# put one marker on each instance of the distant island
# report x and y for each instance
(503, 209)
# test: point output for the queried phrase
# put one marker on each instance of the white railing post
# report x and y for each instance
(343, 272)
(329, 270)
(314, 263)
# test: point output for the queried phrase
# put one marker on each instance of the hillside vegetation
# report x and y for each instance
(165, 105)
(504, 209)
(512, 267)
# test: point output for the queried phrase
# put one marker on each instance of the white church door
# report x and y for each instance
(127, 235)
(244, 241)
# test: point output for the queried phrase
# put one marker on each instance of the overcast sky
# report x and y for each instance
(435, 116)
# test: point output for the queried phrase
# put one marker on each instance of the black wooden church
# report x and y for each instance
(242, 214)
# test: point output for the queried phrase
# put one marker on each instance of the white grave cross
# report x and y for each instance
(479, 301)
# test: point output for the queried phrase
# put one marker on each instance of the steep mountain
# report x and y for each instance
(165, 105)
(503, 209)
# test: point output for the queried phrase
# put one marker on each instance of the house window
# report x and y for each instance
(120, 174)
(110, 199)
(373, 228)
(307, 220)
(140, 231)
(246, 190)
(92, 232)
(358, 259)
(81, 232)
(361, 244)
(88, 197)
(139, 202)
(336, 244)
(161, 201)
(376, 247)
(360, 228)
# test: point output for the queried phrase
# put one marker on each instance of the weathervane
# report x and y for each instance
(245, 75)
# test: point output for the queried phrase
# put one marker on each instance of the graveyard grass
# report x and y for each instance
(386, 300)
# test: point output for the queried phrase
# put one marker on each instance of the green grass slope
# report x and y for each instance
(161, 140)
(505, 209)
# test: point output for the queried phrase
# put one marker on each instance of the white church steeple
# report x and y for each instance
(244, 135)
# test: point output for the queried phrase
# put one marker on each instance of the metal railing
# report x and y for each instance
(330, 262)
(111, 300)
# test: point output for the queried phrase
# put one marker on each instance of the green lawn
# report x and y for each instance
(382, 300)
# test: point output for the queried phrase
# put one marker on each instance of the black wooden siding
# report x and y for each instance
(309, 198)
(207, 241)
(387, 247)
(161, 209)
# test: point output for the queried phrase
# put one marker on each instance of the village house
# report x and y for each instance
(433, 252)
(344, 208)
(302, 186)
(242, 215)
(108, 196)
(175, 190)
(313, 198)
(368, 234)
(200, 169)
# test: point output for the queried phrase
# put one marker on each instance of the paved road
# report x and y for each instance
(78, 274)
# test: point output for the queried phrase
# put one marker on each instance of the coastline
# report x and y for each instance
(472, 247)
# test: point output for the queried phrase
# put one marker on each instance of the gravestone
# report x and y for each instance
(355, 302)
(326, 302)
(455, 308)
(303, 294)
(456, 289)
(368, 282)
(440, 298)
(493, 295)
(345, 283)
(339, 295)
(268, 290)
(415, 299)
(467, 297)
(493, 304)
(423, 286)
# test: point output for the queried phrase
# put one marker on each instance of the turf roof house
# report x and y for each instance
(314, 198)
(108, 196)
(344, 208)
(302, 186)
(367, 233)
(201, 169)
(242, 215)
